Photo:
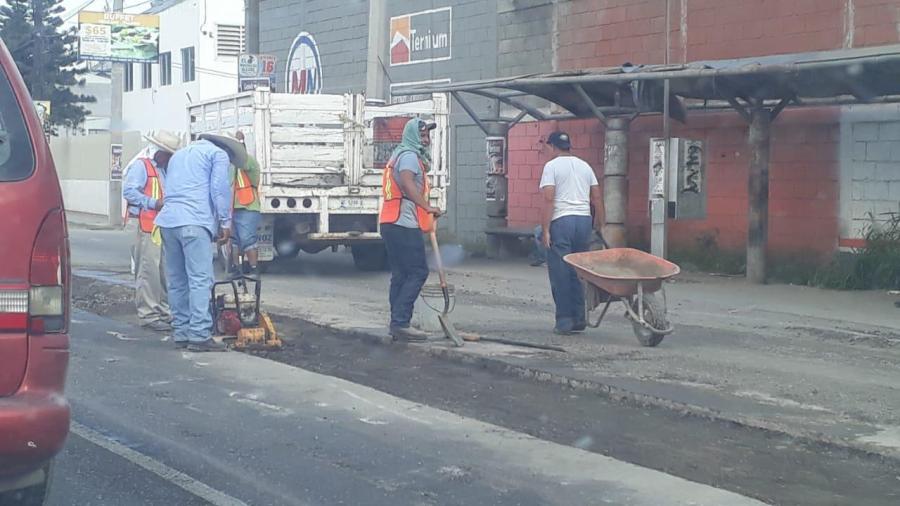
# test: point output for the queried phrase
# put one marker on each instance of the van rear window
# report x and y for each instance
(16, 153)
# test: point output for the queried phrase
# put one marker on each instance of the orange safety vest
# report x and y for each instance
(392, 198)
(243, 190)
(154, 190)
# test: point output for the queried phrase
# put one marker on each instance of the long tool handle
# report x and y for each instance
(437, 258)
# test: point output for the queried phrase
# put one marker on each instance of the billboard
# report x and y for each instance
(303, 72)
(116, 36)
(422, 36)
(256, 70)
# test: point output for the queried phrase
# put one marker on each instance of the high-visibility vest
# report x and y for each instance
(392, 199)
(244, 191)
(152, 189)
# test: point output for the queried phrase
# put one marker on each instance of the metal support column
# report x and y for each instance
(251, 20)
(115, 133)
(615, 181)
(758, 187)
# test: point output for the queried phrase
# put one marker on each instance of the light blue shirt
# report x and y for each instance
(409, 162)
(133, 187)
(197, 189)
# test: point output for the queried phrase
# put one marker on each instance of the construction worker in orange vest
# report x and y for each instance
(143, 191)
(405, 214)
(246, 217)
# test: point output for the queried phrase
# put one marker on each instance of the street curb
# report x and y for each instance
(611, 392)
(614, 393)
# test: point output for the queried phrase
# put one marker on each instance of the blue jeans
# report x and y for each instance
(409, 270)
(568, 234)
(540, 253)
(188, 252)
(244, 227)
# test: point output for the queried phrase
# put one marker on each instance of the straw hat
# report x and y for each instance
(235, 148)
(164, 140)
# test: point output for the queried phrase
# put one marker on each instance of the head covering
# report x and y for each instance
(164, 140)
(559, 140)
(235, 148)
(412, 141)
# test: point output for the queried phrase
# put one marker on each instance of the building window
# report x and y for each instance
(147, 76)
(229, 40)
(165, 69)
(187, 65)
(129, 77)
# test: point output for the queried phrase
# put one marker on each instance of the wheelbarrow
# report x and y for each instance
(631, 277)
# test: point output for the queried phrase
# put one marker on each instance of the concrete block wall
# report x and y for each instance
(474, 56)
(340, 30)
(871, 183)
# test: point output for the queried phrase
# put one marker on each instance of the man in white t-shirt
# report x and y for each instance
(569, 187)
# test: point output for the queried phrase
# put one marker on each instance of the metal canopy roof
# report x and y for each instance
(822, 78)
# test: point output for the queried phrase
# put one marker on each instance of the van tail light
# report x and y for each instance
(13, 309)
(49, 277)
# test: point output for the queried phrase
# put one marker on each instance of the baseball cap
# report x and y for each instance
(426, 126)
(560, 140)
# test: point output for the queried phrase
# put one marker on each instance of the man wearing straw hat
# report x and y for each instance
(143, 191)
(196, 213)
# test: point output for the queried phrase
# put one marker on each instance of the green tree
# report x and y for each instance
(46, 56)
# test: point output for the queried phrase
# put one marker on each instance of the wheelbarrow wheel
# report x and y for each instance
(655, 315)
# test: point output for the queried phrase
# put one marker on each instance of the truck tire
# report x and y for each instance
(369, 257)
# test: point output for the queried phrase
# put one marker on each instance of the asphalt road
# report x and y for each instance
(153, 425)
(240, 428)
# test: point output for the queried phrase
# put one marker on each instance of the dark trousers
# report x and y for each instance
(568, 234)
(409, 270)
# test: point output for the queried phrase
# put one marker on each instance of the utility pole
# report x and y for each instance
(37, 15)
(251, 22)
(115, 137)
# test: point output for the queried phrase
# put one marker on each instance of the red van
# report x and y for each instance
(34, 298)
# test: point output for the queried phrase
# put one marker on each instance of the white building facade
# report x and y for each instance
(200, 41)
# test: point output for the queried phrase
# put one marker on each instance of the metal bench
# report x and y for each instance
(506, 242)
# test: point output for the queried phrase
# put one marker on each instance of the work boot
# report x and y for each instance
(408, 334)
(158, 326)
(208, 345)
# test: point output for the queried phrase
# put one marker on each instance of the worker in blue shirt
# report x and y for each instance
(143, 191)
(197, 211)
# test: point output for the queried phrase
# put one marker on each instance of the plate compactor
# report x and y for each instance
(237, 317)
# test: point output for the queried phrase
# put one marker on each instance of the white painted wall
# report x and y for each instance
(85, 196)
(190, 23)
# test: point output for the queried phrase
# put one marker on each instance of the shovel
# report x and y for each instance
(443, 317)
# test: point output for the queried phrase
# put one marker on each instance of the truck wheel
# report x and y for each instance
(369, 257)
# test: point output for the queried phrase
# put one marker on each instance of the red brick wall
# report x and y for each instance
(599, 33)
(803, 191)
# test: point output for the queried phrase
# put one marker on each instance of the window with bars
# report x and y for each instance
(129, 77)
(188, 71)
(229, 40)
(147, 76)
(165, 69)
